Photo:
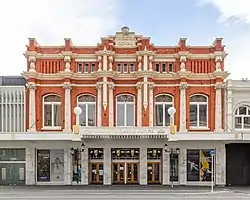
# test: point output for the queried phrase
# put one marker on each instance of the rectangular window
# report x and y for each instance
(164, 68)
(125, 68)
(91, 114)
(199, 165)
(171, 67)
(79, 67)
(57, 115)
(82, 117)
(132, 68)
(157, 67)
(159, 115)
(202, 115)
(86, 67)
(93, 67)
(193, 115)
(119, 67)
(120, 115)
(96, 154)
(130, 115)
(174, 166)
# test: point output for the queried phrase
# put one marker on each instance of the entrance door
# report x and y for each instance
(154, 173)
(118, 173)
(132, 173)
(96, 173)
(12, 174)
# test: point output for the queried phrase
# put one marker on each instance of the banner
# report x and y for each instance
(57, 165)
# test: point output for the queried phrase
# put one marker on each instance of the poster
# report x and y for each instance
(57, 165)
(43, 165)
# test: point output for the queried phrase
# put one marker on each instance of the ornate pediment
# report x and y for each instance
(125, 39)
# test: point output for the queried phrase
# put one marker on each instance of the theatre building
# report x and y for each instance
(119, 92)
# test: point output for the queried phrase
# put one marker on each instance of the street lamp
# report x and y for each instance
(78, 112)
(76, 152)
(171, 112)
(171, 151)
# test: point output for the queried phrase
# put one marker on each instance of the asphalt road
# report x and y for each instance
(43, 194)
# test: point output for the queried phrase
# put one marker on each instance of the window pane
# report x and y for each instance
(246, 122)
(86, 98)
(238, 122)
(125, 98)
(120, 114)
(164, 67)
(52, 98)
(164, 98)
(91, 114)
(193, 115)
(130, 115)
(92, 67)
(86, 68)
(193, 165)
(132, 67)
(202, 115)
(47, 115)
(82, 117)
(167, 116)
(57, 115)
(125, 68)
(198, 98)
(242, 110)
(159, 115)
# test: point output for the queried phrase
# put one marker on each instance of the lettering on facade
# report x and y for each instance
(125, 39)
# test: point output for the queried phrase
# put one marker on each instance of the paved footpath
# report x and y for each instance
(43, 193)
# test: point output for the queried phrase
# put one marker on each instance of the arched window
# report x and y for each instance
(162, 104)
(242, 117)
(88, 105)
(52, 111)
(198, 111)
(125, 110)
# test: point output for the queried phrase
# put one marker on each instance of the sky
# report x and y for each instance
(86, 21)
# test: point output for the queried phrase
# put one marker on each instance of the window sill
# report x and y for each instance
(199, 128)
(57, 128)
(243, 130)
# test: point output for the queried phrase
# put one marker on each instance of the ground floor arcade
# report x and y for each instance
(112, 161)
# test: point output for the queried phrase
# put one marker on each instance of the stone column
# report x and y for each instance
(85, 167)
(107, 166)
(220, 166)
(218, 107)
(183, 167)
(229, 111)
(32, 107)
(99, 105)
(111, 104)
(151, 105)
(145, 62)
(67, 122)
(143, 166)
(183, 117)
(139, 105)
(30, 154)
(165, 168)
(67, 167)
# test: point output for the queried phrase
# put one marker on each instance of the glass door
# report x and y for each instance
(154, 176)
(118, 173)
(132, 173)
(96, 173)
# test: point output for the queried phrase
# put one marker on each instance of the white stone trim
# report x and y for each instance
(218, 107)
(139, 105)
(67, 122)
(183, 107)
(99, 106)
(32, 107)
(111, 105)
(151, 105)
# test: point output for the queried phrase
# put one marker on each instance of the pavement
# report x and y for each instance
(120, 192)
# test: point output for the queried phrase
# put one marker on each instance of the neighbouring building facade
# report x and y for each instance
(12, 120)
(124, 86)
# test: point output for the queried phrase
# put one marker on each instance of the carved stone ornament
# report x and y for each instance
(151, 59)
(67, 86)
(183, 86)
(111, 86)
(139, 86)
(32, 60)
(139, 63)
(98, 86)
(67, 63)
(31, 86)
(111, 63)
(125, 39)
(219, 86)
(218, 60)
(151, 86)
(183, 59)
(99, 59)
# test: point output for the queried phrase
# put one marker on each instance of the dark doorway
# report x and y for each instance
(238, 164)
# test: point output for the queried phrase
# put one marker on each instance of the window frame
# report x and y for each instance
(79, 66)
(198, 111)
(125, 110)
(86, 113)
(164, 104)
(241, 116)
(53, 103)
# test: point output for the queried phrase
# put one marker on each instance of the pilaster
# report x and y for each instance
(183, 167)
(67, 122)
(143, 166)
(229, 110)
(111, 105)
(218, 107)
(99, 105)
(30, 154)
(165, 168)
(67, 167)
(32, 107)
(139, 105)
(151, 105)
(183, 117)
(85, 167)
(107, 166)
(220, 166)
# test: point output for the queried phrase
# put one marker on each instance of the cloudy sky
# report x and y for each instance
(85, 21)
